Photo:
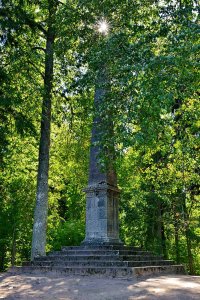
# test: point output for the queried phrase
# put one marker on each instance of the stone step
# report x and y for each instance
(108, 264)
(158, 270)
(102, 271)
(141, 257)
(98, 257)
(103, 260)
(101, 247)
(99, 252)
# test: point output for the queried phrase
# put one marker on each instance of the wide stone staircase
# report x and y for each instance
(114, 261)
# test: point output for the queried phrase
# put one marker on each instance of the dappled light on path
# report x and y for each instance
(52, 287)
(168, 287)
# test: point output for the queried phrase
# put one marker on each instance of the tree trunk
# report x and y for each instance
(161, 230)
(176, 233)
(163, 239)
(2, 257)
(41, 208)
(187, 235)
(189, 251)
(13, 251)
(177, 243)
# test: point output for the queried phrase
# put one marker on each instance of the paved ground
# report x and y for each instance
(49, 287)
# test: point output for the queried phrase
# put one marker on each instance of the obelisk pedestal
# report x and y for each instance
(102, 226)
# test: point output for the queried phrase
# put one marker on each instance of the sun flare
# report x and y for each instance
(103, 27)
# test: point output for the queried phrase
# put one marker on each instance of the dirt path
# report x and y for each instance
(49, 287)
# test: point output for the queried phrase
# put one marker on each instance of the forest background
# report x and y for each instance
(152, 53)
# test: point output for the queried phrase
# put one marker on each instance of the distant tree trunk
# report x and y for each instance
(176, 233)
(2, 257)
(150, 227)
(187, 235)
(161, 230)
(41, 208)
(13, 251)
(186, 218)
(163, 240)
(189, 250)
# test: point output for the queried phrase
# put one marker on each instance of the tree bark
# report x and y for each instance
(176, 233)
(2, 257)
(13, 251)
(41, 208)
(187, 235)
(163, 239)
(161, 230)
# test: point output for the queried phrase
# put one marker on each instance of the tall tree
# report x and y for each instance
(41, 209)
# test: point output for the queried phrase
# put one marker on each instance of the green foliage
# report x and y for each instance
(67, 233)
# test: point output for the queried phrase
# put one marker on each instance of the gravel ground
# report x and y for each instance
(50, 287)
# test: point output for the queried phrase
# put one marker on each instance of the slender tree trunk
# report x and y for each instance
(41, 208)
(161, 230)
(189, 250)
(188, 240)
(13, 251)
(176, 233)
(2, 257)
(186, 220)
(163, 239)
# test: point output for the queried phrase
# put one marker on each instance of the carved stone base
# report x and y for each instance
(102, 226)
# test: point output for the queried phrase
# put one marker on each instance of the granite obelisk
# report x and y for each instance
(102, 193)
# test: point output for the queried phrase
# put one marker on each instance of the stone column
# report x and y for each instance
(102, 194)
